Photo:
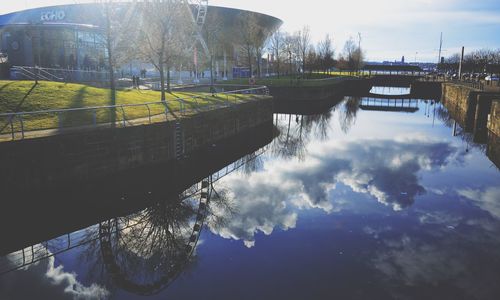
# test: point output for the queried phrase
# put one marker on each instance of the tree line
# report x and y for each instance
(477, 61)
(165, 34)
(295, 53)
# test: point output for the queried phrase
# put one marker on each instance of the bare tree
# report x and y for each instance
(277, 47)
(290, 48)
(352, 55)
(326, 53)
(248, 29)
(114, 40)
(214, 38)
(304, 42)
(349, 53)
(313, 60)
(165, 34)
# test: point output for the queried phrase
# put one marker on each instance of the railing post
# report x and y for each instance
(12, 128)
(94, 117)
(59, 120)
(22, 125)
(123, 115)
(149, 113)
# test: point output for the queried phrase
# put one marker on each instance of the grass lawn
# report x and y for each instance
(24, 96)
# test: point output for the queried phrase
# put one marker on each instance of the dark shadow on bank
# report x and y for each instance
(28, 216)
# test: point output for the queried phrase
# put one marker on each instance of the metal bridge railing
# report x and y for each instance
(17, 125)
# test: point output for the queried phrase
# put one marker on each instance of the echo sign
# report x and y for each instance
(55, 15)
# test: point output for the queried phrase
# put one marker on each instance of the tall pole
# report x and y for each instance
(359, 51)
(460, 65)
(180, 75)
(267, 69)
(196, 80)
(225, 66)
(440, 48)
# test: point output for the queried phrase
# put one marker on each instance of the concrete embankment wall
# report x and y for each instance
(461, 103)
(426, 89)
(478, 113)
(493, 149)
(84, 155)
(323, 92)
(494, 120)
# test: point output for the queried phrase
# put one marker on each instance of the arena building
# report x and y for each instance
(72, 36)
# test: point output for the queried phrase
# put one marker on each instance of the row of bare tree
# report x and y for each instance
(164, 34)
(156, 32)
(477, 61)
(295, 52)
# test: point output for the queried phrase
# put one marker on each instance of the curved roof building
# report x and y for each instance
(70, 36)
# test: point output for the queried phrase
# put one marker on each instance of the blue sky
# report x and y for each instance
(389, 28)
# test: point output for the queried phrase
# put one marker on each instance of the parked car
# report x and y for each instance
(491, 78)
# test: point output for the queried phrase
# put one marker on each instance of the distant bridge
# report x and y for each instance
(391, 105)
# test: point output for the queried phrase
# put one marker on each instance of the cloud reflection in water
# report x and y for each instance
(387, 170)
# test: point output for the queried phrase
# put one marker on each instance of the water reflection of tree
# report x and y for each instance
(289, 143)
(297, 131)
(251, 162)
(221, 210)
(322, 122)
(145, 251)
(348, 112)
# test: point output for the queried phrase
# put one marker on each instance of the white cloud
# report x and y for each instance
(413, 262)
(386, 170)
(43, 280)
(488, 199)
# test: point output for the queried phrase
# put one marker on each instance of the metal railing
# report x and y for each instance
(18, 124)
(58, 74)
(470, 83)
(473, 83)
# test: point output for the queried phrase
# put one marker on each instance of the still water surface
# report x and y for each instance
(360, 202)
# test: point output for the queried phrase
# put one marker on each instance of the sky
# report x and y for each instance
(389, 29)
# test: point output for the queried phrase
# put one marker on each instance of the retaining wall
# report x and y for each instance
(83, 155)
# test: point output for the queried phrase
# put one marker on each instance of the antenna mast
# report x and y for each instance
(440, 48)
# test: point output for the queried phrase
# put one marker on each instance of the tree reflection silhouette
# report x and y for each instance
(144, 252)
(294, 136)
(347, 115)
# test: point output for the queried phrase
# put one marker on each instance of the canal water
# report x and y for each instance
(372, 199)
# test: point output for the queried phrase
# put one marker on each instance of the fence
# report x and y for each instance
(64, 75)
(470, 83)
(17, 125)
(476, 84)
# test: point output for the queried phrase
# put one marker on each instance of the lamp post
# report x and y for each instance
(225, 67)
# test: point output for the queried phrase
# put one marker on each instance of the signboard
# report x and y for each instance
(241, 72)
(52, 15)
